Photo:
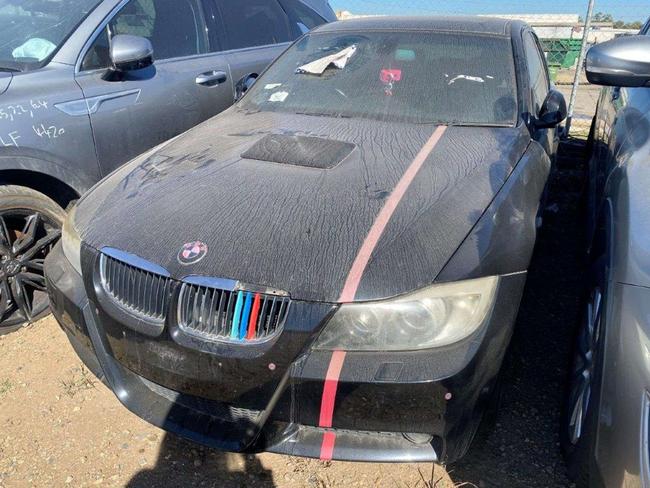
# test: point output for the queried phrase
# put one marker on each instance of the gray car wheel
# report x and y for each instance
(580, 393)
(581, 408)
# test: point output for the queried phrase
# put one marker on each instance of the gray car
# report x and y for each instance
(606, 425)
(80, 94)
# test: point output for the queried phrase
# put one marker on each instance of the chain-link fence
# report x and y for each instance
(559, 24)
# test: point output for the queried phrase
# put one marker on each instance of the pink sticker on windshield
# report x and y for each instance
(390, 75)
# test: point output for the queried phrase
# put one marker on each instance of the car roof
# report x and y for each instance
(455, 23)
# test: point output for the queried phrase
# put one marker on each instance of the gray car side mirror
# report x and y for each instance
(624, 61)
(553, 110)
(131, 52)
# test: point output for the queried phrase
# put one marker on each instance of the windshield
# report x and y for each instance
(416, 77)
(32, 30)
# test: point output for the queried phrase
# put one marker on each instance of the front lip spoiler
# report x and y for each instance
(361, 446)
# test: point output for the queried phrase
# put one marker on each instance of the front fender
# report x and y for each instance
(503, 239)
(24, 159)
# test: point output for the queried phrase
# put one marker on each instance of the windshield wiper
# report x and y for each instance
(325, 114)
(8, 69)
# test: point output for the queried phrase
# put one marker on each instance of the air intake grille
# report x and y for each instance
(137, 290)
(217, 314)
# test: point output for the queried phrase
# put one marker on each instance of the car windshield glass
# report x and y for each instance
(416, 77)
(32, 30)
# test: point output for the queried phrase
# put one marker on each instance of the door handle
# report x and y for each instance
(211, 78)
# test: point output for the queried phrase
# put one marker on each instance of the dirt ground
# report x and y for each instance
(59, 426)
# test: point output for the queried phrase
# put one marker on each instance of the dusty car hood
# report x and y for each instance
(5, 81)
(300, 228)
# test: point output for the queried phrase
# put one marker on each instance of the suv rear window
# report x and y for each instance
(254, 23)
(420, 77)
(302, 18)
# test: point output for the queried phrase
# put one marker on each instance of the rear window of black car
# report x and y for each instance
(409, 76)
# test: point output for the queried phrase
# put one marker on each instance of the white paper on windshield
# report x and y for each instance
(339, 60)
(278, 96)
(476, 79)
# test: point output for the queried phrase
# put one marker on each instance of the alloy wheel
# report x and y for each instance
(26, 237)
(583, 370)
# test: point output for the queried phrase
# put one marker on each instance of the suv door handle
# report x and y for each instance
(211, 78)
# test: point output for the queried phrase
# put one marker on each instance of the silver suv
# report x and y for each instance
(86, 85)
(606, 428)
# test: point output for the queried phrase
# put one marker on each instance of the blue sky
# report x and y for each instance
(621, 9)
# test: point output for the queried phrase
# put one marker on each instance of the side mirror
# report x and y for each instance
(553, 111)
(624, 61)
(131, 52)
(244, 84)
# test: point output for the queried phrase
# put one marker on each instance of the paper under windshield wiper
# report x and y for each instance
(338, 60)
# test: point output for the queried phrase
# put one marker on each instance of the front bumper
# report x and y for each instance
(388, 407)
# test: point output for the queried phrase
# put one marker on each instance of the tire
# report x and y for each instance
(30, 226)
(579, 449)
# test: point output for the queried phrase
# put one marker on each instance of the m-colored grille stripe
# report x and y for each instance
(254, 314)
(378, 227)
(243, 328)
(234, 333)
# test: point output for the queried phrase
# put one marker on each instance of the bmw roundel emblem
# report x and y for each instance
(192, 252)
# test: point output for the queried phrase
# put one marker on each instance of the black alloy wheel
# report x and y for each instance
(28, 232)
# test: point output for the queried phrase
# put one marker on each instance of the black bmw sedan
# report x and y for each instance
(332, 267)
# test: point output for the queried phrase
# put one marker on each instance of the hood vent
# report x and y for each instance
(311, 152)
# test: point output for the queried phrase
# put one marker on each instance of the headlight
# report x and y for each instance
(71, 241)
(431, 317)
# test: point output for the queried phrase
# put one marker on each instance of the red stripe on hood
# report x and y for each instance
(378, 227)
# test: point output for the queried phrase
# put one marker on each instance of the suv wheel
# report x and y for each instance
(581, 410)
(30, 226)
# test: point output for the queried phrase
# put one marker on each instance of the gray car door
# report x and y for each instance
(189, 82)
(619, 119)
(254, 32)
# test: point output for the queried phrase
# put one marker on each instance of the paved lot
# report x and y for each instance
(59, 426)
(585, 107)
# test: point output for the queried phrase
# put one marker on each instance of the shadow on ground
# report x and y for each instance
(182, 463)
(523, 449)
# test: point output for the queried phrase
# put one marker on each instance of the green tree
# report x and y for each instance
(603, 17)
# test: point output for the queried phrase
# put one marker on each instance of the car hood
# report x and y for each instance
(5, 81)
(237, 184)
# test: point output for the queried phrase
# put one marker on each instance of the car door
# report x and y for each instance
(253, 32)
(189, 81)
(539, 83)
(618, 168)
(618, 113)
